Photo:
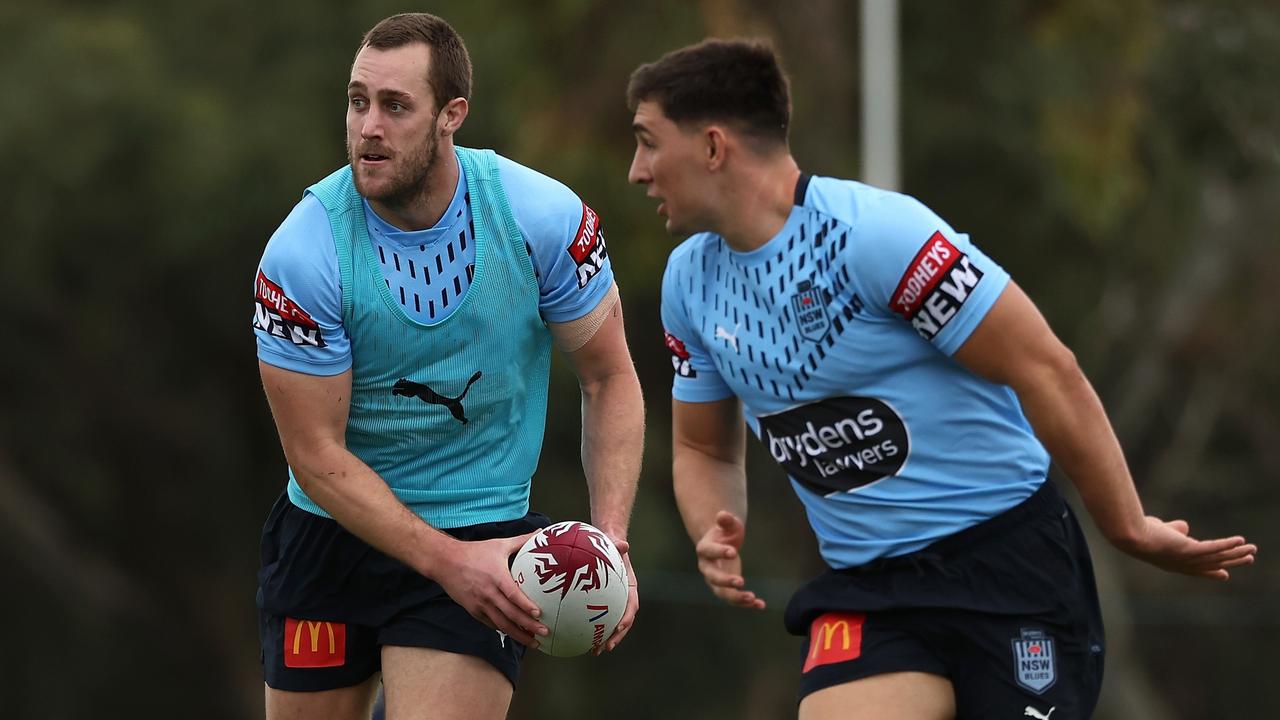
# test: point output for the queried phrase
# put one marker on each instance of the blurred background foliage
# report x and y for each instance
(1119, 157)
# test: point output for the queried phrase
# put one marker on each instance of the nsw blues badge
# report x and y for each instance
(810, 306)
(1034, 662)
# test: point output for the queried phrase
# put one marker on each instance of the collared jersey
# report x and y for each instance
(837, 336)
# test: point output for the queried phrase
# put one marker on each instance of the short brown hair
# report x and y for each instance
(450, 73)
(734, 81)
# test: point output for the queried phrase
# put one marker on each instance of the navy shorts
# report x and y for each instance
(328, 602)
(1006, 610)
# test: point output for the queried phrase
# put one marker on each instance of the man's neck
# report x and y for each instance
(427, 207)
(758, 202)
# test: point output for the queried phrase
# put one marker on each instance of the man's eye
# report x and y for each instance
(358, 103)
(396, 107)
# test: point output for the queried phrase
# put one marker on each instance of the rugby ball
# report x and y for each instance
(574, 573)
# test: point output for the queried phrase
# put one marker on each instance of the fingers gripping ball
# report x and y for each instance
(574, 573)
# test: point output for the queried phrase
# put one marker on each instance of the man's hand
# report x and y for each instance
(1168, 546)
(633, 601)
(477, 576)
(720, 563)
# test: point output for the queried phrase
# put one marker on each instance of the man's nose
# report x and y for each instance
(637, 173)
(371, 125)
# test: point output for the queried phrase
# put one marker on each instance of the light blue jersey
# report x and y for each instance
(837, 336)
(298, 310)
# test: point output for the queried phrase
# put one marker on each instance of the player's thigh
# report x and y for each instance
(427, 683)
(892, 696)
(348, 703)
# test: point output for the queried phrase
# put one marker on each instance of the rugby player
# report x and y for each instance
(406, 309)
(913, 395)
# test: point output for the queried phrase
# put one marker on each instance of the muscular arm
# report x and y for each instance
(709, 473)
(311, 416)
(1014, 346)
(612, 432)
(612, 423)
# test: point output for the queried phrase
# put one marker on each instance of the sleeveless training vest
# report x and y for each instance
(451, 415)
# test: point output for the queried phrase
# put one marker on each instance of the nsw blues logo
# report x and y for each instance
(1034, 665)
(810, 306)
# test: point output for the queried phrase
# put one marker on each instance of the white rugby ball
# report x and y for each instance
(574, 573)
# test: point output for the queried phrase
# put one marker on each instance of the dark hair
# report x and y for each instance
(731, 81)
(450, 72)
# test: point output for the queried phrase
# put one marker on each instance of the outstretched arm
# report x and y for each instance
(311, 416)
(709, 471)
(1014, 346)
(612, 437)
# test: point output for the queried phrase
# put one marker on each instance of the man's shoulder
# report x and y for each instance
(538, 199)
(857, 204)
(307, 222)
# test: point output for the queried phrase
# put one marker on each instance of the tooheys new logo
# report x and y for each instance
(837, 444)
(679, 357)
(587, 248)
(935, 286)
(277, 315)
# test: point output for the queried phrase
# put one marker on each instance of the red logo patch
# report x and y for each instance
(935, 286)
(834, 637)
(275, 314)
(585, 239)
(314, 643)
(676, 347)
(679, 357)
(587, 249)
(922, 275)
(272, 296)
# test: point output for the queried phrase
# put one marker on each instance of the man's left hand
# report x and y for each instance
(1169, 546)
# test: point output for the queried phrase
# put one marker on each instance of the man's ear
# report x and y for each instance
(451, 116)
(716, 145)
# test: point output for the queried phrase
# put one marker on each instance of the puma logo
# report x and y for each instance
(1032, 712)
(409, 388)
(732, 339)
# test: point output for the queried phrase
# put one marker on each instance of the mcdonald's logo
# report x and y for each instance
(314, 643)
(834, 637)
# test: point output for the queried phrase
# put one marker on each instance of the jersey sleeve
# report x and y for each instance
(297, 315)
(565, 240)
(696, 378)
(914, 267)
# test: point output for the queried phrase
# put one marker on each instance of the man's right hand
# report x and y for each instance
(720, 562)
(477, 576)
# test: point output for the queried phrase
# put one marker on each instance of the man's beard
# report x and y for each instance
(409, 181)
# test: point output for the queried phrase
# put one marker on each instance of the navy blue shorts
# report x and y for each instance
(328, 602)
(1006, 610)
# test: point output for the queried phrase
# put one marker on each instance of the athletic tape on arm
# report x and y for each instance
(572, 335)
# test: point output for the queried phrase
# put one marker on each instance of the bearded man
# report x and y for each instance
(405, 311)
